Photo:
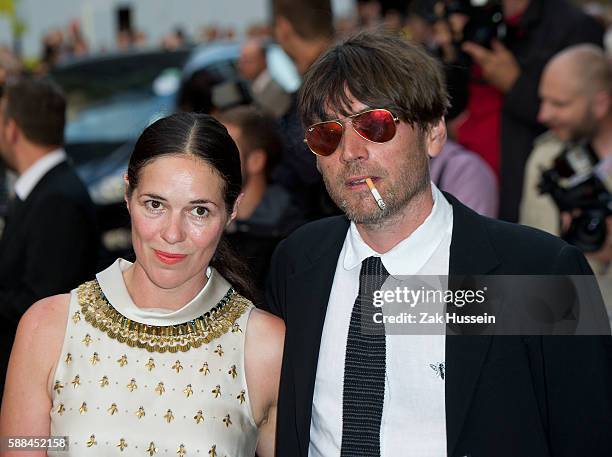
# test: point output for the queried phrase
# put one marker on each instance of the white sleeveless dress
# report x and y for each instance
(134, 382)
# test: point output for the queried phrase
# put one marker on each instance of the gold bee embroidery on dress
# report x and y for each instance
(169, 416)
(188, 391)
(113, 409)
(227, 421)
(213, 451)
(236, 328)
(132, 385)
(122, 361)
(87, 340)
(68, 358)
(152, 449)
(83, 408)
(199, 417)
(160, 389)
(204, 368)
(240, 397)
(181, 451)
(232, 371)
(58, 386)
(95, 358)
(104, 381)
(177, 366)
(122, 444)
(76, 381)
(61, 409)
(91, 441)
(76, 317)
(140, 413)
(150, 365)
(217, 391)
(219, 350)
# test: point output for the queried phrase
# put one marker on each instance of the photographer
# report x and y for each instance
(572, 162)
(507, 44)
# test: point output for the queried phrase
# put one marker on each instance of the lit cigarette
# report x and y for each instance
(375, 194)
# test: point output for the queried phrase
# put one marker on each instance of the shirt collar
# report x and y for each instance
(28, 180)
(413, 252)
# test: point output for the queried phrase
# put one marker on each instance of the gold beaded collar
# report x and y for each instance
(216, 322)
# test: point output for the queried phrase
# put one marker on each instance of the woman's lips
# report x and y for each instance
(169, 259)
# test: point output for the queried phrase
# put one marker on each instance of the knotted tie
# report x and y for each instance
(364, 368)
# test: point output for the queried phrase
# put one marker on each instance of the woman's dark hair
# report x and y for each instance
(201, 136)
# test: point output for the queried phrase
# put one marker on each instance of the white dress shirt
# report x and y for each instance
(414, 414)
(28, 180)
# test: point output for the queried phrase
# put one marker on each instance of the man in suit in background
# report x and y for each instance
(375, 109)
(50, 241)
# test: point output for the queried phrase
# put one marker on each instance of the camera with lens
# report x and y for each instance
(577, 188)
(485, 20)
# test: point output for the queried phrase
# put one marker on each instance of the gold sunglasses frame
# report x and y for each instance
(337, 121)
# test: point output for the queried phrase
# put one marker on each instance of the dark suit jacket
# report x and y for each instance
(49, 246)
(505, 396)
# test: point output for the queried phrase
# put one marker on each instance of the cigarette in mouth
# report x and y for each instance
(375, 194)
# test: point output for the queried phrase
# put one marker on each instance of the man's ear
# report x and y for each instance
(256, 162)
(601, 104)
(436, 137)
(235, 209)
(283, 30)
(12, 131)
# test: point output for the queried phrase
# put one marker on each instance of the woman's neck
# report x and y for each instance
(146, 294)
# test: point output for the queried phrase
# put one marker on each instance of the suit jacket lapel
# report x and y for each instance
(470, 253)
(312, 286)
(13, 215)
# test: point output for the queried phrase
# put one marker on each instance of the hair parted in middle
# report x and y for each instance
(201, 136)
(380, 71)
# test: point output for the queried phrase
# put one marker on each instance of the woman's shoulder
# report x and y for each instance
(266, 325)
(46, 319)
(266, 333)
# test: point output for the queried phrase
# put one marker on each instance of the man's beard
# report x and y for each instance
(413, 179)
(586, 130)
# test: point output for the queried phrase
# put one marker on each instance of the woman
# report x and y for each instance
(163, 356)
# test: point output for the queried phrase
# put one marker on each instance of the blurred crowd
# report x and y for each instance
(503, 111)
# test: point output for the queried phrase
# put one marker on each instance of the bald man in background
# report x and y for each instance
(268, 94)
(576, 106)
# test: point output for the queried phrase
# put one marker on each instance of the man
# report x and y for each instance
(50, 242)
(265, 91)
(576, 104)
(466, 176)
(346, 392)
(267, 213)
(501, 121)
(304, 30)
(10, 67)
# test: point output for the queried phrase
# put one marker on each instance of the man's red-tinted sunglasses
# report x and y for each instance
(375, 125)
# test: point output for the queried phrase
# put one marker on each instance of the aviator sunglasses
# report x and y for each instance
(375, 125)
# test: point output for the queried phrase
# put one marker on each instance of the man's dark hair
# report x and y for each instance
(38, 107)
(257, 131)
(380, 71)
(311, 19)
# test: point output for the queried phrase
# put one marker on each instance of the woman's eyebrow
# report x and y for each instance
(202, 202)
(155, 196)
(199, 201)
